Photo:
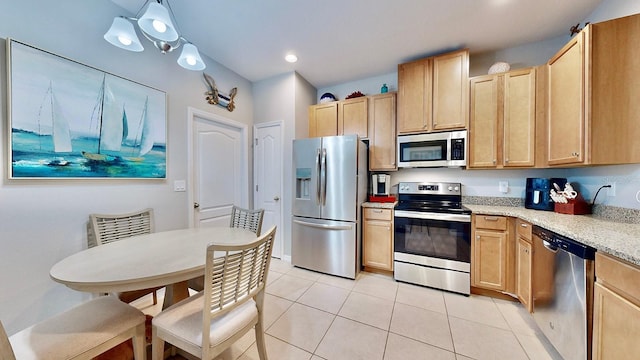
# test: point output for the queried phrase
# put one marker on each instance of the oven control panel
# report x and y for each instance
(432, 188)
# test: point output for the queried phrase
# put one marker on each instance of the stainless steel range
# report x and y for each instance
(432, 236)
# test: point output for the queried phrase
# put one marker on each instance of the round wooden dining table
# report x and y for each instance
(167, 258)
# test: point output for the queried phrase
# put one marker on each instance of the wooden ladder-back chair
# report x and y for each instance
(106, 228)
(231, 304)
(240, 218)
(247, 219)
(82, 332)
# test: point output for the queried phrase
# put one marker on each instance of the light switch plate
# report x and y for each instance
(179, 185)
(503, 186)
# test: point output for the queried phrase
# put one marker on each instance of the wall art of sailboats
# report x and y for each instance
(111, 125)
(50, 110)
(143, 142)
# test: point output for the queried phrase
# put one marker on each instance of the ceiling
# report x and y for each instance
(338, 41)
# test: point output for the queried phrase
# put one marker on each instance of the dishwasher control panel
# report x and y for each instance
(554, 242)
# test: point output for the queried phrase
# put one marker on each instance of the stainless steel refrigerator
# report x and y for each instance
(330, 186)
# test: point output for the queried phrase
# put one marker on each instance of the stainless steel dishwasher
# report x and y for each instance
(563, 273)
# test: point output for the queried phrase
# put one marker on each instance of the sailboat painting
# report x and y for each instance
(69, 120)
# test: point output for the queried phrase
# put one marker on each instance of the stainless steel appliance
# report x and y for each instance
(444, 149)
(432, 236)
(381, 184)
(330, 185)
(563, 272)
(537, 194)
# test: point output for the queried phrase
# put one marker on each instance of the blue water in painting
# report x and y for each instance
(33, 157)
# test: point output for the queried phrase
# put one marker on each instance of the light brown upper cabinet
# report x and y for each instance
(345, 117)
(433, 93)
(593, 93)
(502, 124)
(352, 117)
(323, 119)
(382, 132)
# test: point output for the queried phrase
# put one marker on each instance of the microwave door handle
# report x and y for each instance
(318, 177)
(323, 165)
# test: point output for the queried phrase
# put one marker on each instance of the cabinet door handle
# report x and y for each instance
(477, 237)
(377, 211)
(524, 225)
(491, 218)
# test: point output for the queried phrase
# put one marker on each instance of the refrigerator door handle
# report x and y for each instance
(323, 173)
(324, 226)
(318, 178)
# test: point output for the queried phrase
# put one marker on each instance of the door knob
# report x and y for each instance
(276, 198)
(196, 205)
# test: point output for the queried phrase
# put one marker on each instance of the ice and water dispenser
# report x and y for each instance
(303, 183)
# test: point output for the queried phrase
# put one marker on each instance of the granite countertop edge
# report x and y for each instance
(618, 239)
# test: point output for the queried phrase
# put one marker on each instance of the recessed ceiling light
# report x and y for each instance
(291, 58)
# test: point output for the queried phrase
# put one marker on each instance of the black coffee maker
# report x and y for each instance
(537, 195)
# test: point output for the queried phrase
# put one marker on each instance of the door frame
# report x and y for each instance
(280, 125)
(192, 114)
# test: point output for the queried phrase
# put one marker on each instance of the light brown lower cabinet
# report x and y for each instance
(616, 309)
(491, 253)
(377, 238)
(524, 263)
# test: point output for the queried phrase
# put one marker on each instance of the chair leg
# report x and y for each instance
(260, 344)
(155, 297)
(139, 343)
(157, 346)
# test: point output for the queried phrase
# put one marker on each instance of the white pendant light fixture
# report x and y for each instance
(157, 24)
(123, 35)
(190, 58)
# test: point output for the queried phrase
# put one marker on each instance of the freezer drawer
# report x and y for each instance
(331, 247)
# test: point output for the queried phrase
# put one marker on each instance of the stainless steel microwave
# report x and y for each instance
(444, 149)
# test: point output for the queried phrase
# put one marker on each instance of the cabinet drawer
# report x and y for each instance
(491, 222)
(618, 274)
(378, 214)
(524, 229)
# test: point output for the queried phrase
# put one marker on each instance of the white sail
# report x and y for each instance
(61, 133)
(146, 140)
(111, 135)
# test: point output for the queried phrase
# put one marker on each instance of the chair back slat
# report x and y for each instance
(106, 228)
(233, 275)
(247, 219)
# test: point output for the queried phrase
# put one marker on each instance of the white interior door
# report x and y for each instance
(219, 168)
(267, 173)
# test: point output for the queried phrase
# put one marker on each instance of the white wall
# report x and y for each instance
(285, 98)
(42, 222)
(485, 182)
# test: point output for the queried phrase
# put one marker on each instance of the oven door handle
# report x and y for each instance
(432, 216)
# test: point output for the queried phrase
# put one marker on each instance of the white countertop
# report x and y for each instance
(618, 239)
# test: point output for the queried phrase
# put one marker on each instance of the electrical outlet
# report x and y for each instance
(503, 187)
(612, 190)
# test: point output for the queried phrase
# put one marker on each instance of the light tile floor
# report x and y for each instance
(314, 316)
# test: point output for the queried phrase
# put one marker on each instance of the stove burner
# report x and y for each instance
(431, 197)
